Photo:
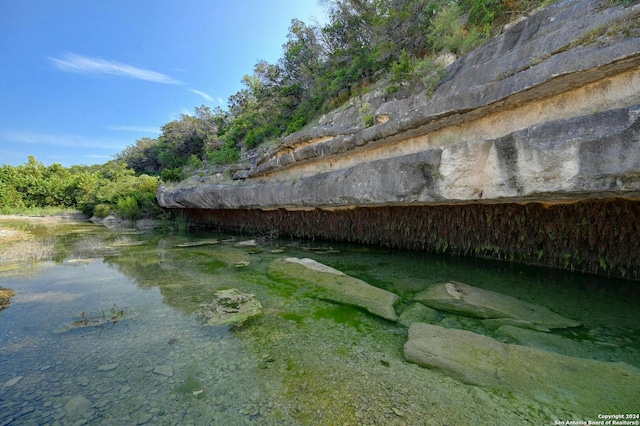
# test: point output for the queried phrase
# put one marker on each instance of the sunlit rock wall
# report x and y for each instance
(546, 113)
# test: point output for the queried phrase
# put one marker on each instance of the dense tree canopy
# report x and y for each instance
(99, 190)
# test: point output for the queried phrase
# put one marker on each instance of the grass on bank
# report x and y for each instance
(39, 211)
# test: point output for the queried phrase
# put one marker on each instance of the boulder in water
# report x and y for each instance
(417, 312)
(467, 300)
(230, 307)
(79, 409)
(548, 342)
(330, 284)
(582, 386)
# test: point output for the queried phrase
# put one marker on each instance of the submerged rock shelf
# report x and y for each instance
(528, 151)
(310, 350)
(543, 376)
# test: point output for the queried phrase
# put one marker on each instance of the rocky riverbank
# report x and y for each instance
(530, 361)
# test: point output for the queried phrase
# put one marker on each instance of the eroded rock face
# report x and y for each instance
(575, 383)
(547, 110)
(564, 159)
(330, 284)
(546, 113)
(476, 302)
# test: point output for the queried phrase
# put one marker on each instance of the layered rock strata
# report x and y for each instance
(547, 112)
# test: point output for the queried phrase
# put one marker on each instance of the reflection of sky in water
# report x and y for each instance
(304, 361)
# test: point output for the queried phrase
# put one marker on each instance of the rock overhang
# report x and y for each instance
(540, 112)
(545, 114)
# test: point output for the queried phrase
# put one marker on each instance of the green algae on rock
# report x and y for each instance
(229, 256)
(417, 312)
(330, 284)
(472, 301)
(549, 342)
(580, 385)
(230, 307)
(5, 296)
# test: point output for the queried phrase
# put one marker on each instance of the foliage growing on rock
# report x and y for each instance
(321, 67)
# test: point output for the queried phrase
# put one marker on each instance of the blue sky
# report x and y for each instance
(80, 80)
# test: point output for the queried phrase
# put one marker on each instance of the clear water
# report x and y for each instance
(303, 362)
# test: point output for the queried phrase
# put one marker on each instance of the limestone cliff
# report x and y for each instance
(545, 114)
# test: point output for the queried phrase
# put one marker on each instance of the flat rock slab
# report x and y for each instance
(164, 370)
(108, 367)
(549, 342)
(495, 323)
(12, 382)
(199, 243)
(330, 284)
(467, 300)
(79, 408)
(247, 243)
(582, 386)
(417, 312)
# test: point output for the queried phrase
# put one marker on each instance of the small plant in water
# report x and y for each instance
(92, 247)
(87, 319)
(27, 251)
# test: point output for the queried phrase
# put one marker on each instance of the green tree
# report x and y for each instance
(142, 157)
(483, 12)
(179, 142)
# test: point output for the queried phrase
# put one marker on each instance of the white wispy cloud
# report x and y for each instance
(220, 100)
(60, 140)
(143, 129)
(204, 95)
(71, 62)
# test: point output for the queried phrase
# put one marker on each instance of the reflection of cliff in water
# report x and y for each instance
(161, 263)
(304, 359)
(190, 276)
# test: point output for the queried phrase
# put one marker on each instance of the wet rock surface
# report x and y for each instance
(548, 341)
(576, 383)
(330, 284)
(79, 408)
(230, 307)
(473, 301)
(417, 312)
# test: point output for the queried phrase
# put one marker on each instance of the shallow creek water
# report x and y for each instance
(107, 333)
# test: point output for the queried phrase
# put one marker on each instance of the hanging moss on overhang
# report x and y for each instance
(594, 236)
